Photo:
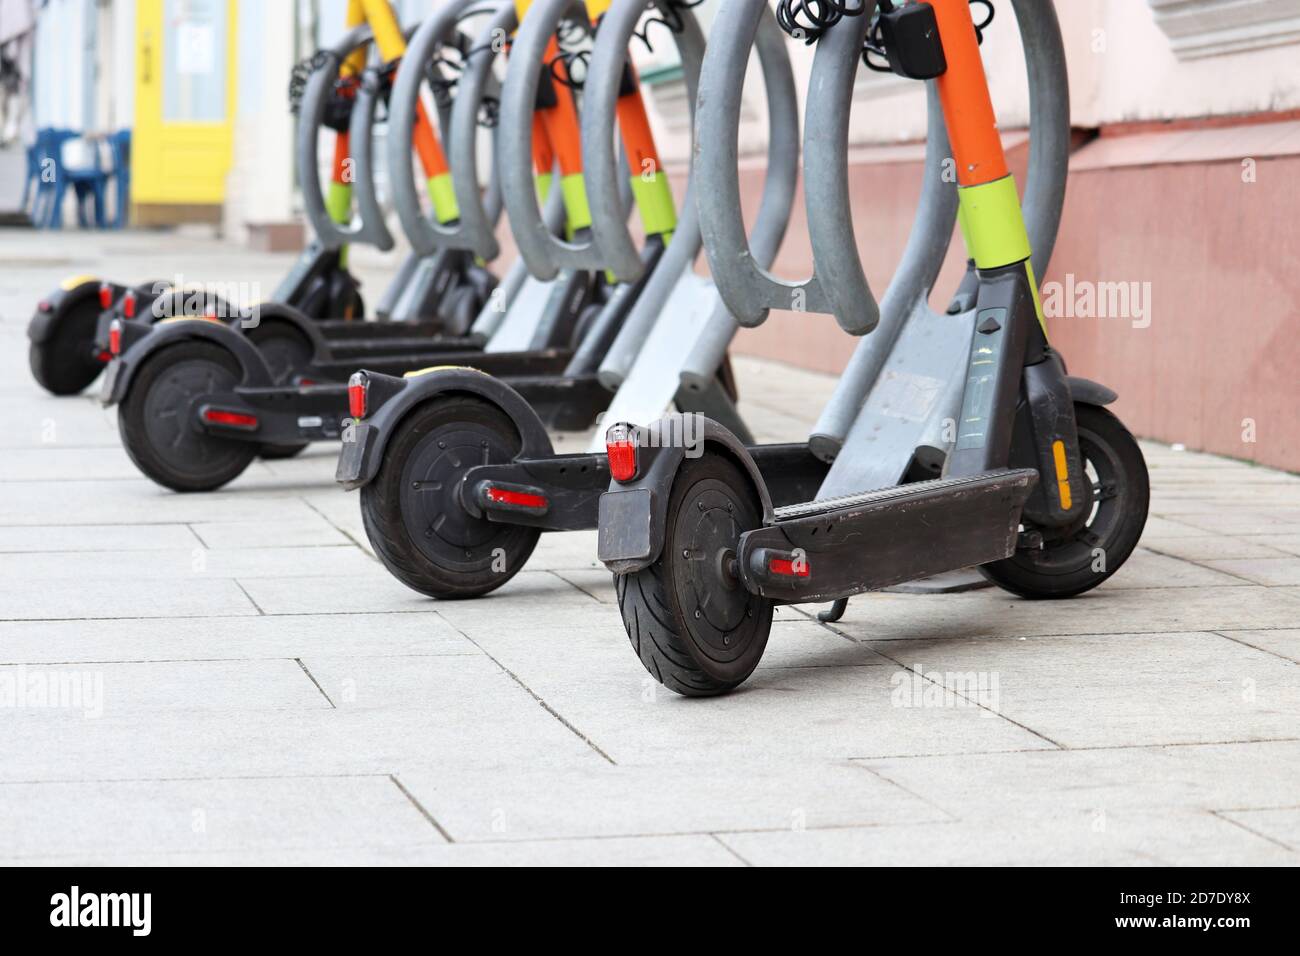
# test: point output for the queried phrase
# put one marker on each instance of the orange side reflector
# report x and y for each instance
(1062, 475)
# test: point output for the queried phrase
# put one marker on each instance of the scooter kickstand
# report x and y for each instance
(835, 612)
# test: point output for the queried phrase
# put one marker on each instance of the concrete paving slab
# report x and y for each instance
(605, 694)
(1274, 572)
(133, 502)
(1284, 642)
(597, 583)
(341, 594)
(1215, 547)
(1286, 543)
(1086, 838)
(1279, 825)
(205, 818)
(94, 538)
(1122, 610)
(78, 692)
(303, 532)
(1147, 569)
(1160, 528)
(1052, 782)
(570, 549)
(695, 850)
(341, 511)
(1236, 522)
(59, 463)
(484, 722)
(622, 801)
(242, 638)
(1136, 687)
(126, 598)
(194, 563)
(62, 423)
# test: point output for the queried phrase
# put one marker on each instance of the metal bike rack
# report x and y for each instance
(479, 212)
(477, 82)
(749, 289)
(474, 229)
(544, 252)
(680, 326)
(368, 226)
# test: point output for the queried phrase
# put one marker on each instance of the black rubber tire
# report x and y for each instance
(651, 600)
(390, 513)
(1065, 566)
(195, 460)
(64, 364)
(286, 352)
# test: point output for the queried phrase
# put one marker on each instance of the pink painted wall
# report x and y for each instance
(1222, 351)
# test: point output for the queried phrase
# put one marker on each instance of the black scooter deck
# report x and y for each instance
(881, 538)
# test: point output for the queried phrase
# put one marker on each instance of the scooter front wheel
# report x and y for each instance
(158, 431)
(286, 353)
(65, 364)
(1081, 558)
(696, 628)
(412, 509)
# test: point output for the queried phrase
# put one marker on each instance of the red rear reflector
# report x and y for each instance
(44, 306)
(216, 416)
(797, 568)
(105, 296)
(129, 303)
(105, 356)
(115, 337)
(620, 445)
(523, 499)
(358, 389)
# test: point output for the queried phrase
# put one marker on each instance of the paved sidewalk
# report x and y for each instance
(262, 691)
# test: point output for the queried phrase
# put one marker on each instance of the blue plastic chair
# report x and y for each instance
(119, 145)
(48, 213)
(91, 186)
(46, 157)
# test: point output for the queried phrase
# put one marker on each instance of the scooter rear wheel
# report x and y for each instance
(157, 431)
(412, 511)
(1078, 560)
(64, 364)
(696, 628)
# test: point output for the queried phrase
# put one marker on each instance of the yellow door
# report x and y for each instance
(184, 107)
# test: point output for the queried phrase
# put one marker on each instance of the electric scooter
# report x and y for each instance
(1041, 487)
(682, 330)
(457, 473)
